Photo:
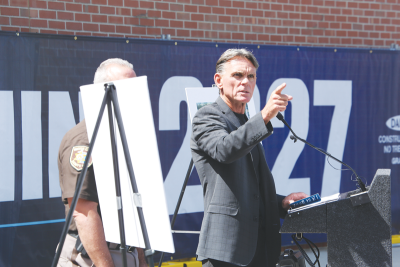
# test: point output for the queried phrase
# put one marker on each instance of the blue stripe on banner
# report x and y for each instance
(30, 223)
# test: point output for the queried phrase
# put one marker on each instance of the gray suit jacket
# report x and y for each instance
(221, 151)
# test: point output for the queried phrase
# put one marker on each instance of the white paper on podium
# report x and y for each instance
(137, 117)
(201, 96)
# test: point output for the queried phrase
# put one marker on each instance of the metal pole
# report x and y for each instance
(117, 112)
(117, 181)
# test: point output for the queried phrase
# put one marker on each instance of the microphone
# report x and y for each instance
(294, 137)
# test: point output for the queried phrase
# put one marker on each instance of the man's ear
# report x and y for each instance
(218, 80)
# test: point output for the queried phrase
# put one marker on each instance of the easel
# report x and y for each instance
(110, 96)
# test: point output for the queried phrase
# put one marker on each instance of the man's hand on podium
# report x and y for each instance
(292, 198)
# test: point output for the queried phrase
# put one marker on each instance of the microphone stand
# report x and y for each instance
(294, 137)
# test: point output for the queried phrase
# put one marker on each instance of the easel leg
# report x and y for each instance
(80, 182)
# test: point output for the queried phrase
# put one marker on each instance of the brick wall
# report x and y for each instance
(373, 23)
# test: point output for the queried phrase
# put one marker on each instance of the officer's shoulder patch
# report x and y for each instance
(78, 156)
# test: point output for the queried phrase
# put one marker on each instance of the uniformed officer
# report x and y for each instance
(87, 227)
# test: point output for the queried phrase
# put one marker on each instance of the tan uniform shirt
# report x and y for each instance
(71, 156)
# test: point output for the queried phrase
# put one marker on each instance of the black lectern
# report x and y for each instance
(358, 225)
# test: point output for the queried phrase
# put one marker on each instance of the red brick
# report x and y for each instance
(225, 35)
(163, 6)
(56, 5)
(363, 34)
(168, 15)
(162, 23)
(218, 27)
(390, 28)
(363, 5)
(378, 42)
(225, 19)
(330, 33)
(306, 31)
(379, 28)
(190, 8)
(73, 7)
(48, 31)
(357, 41)
(306, 16)
(123, 29)
(139, 12)
(358, 12)
(20, 3)
(276, 38)
(32, 13)
(299, 23)
(218, 10)
(38, 23)
(352, 19)
(205, 9)
(294, 31)
(374, 34)
(340, 4)
(10, 11)
(99, 34)
(347, 12)
(183, 15)
(211, 18)
(334, 40)
(116, 3)
(231, 27)
(257, 13)
(169, 31)
(312, 39)
(225, 3)
(107, 10)
(176, 23)
(204, 26)
(175, 7)
(11, 29)
(276, 22)
(352, 34)
(237, 35)
(56, 24)
(288, 8)
(369, 13)
(282, 30)
(346, 26)
(65, 15)
(335, 11)
(385, 35)
(102, 2)
(237, 20)
(138, 30)
(84, 1)
(4, 2)
(154, 13)
(20, 22)
(244, 28)
(4, 20)
(198, 2)
(76, 26)
(251, 5)
(99, 18)
(129, 3)
(282, 15)
(276, 7)
(293, 16)
(250, 20)
(82, 17)
(211, 34)
(45, 14)
(231, 11)
(244, 12)
(317, 32)
(115, 20)
(197, 17)
(261, 37)
(341, 33)
(38, 4)
(107, 28)
(116, 35)
(146, 22)
(182, 32)
(153, 31)
(146, 4)
(198, 34)
(90, 27)
(323, 10)
(190, 25)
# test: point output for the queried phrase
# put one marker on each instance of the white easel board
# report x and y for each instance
(135, 106)
(201, 96)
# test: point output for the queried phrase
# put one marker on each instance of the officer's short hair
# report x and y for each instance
(102, 74)
(232, 53)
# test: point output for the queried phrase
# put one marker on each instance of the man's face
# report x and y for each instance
(118, 72)
(237, 83)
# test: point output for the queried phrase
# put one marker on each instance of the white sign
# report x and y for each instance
(135, 105)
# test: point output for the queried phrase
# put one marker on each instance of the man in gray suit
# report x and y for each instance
(241, 208)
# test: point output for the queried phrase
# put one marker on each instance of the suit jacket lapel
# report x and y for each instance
(228, 112)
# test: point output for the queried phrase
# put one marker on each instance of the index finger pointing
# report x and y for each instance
(279, 89)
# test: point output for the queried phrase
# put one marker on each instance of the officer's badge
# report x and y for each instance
(78, 157)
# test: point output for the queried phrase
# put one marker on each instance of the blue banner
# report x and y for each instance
(345, 102)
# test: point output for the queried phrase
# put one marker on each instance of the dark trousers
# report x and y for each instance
(259, 259)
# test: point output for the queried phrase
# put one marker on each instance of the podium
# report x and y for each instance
(358, 225)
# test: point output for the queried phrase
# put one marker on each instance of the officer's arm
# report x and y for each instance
(91, 233)
(142, 260)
